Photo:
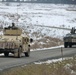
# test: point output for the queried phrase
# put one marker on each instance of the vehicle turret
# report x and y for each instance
(70, 38)
(12, 30)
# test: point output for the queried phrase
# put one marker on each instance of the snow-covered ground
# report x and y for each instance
(55, 47)
(28, 15)
(50, 61)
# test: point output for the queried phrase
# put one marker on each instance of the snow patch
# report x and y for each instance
(50, 61)
(2, 54)
(47, 48)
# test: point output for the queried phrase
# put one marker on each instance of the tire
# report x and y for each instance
(27, 54)
(70, 45)
(65, 45)
(20, 52)
(6, 54)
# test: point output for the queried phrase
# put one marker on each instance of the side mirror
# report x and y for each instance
(31, 40)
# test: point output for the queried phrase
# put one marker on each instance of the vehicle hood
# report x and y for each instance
(71, 35)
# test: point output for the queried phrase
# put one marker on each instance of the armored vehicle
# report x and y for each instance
(13, 41)
(70, 38)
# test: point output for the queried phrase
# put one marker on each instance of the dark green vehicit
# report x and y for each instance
(70, 38)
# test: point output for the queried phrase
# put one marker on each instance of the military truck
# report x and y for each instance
(13, 41)
(70, 38)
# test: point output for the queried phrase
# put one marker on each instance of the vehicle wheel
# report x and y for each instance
(19, 52)
(27, 54)
(65, 45)
(6, 54)
(70, 45)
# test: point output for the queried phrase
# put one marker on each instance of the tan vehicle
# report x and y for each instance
(70, 38)
(12, 41)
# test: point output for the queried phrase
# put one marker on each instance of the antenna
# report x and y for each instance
(17, 15)
(17, 21)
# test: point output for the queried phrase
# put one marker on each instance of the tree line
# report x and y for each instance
(44, 1)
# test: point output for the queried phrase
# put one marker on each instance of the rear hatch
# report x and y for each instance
(9, 42)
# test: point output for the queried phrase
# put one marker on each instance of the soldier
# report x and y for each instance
(13, 25)
(73, 30)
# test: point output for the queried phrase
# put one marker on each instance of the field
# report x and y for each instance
(28, 15)
(63, 67)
